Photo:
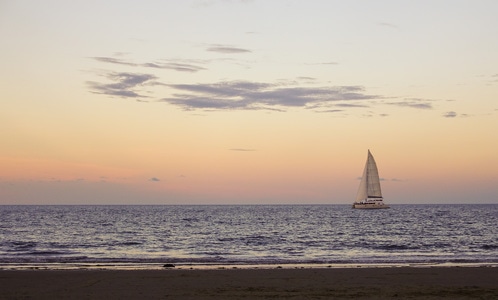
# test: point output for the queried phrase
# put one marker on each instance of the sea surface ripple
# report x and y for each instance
(248, 234)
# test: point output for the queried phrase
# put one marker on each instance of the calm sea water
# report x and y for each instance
(279, 234)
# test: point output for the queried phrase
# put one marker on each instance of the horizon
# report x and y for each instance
(257, 204)
(221, 102)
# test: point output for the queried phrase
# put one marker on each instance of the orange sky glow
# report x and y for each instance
(196, 102)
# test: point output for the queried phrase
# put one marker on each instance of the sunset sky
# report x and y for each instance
(247, 102)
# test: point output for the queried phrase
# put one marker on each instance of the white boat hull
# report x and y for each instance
(370, 205)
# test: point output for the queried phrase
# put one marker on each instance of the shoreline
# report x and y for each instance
(316, 283)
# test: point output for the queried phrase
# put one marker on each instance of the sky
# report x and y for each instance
(247, 102)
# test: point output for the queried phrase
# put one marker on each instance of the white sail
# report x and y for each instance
(369, 193)
(370, 182)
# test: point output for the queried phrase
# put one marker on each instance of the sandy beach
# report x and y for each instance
(325, 283)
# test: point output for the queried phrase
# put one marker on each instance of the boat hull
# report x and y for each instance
(370, 206)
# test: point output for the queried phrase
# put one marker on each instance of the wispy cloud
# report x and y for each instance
(494, 78)
(325, 63)
(413, 103)
(301, 92)
(385, 24)
(113, 60)
(177, 66)
(171, 65)
(227, 49)
(350, 105)
(331, 111)
(123, 84)
(450, 114)
(307, 78)
(257, 95)
(154, 179)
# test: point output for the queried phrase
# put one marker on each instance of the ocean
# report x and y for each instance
(143, 236)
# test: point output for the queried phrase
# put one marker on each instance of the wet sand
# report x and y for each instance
(326, 283)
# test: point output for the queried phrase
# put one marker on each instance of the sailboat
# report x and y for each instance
(369, 194)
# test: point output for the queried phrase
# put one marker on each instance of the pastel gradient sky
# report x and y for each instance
(247, 102)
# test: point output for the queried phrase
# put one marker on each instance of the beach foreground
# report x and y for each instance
(325, 283)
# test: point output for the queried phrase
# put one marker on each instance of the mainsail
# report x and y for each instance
(370, 182)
